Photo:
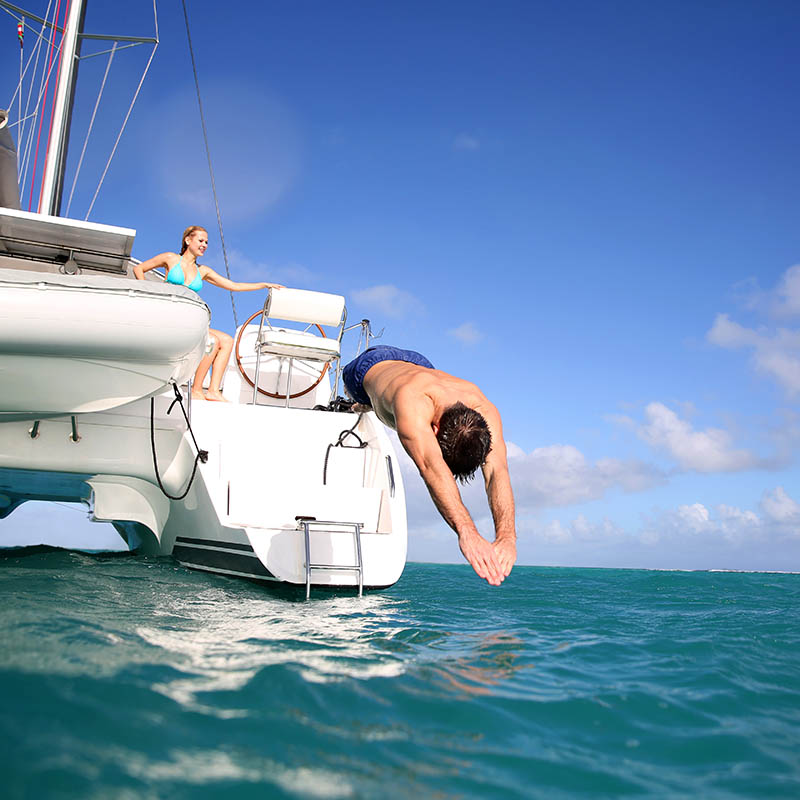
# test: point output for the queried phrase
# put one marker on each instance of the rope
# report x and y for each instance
(202, 455)
(127, 116)
(208, 157)
(89, 131)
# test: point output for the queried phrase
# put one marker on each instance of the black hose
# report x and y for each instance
(340, 443)
(202, 455)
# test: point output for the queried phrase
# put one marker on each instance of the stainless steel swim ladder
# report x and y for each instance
(339, 527)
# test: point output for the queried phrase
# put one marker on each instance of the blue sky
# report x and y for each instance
(588, 208)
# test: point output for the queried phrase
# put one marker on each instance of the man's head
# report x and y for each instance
(465, 440)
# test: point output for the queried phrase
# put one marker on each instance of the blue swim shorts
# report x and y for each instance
(354, 372)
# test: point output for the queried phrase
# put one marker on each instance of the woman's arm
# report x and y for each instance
(216, 279)
(161, 260)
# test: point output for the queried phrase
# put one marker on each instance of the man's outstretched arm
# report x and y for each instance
(500, 495)
(420, 443)
(501, 503)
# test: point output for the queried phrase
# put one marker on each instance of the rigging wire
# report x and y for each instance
(39, 104)
(89, 131)
(35, 52)
(18, 90)
(127, 116)
(117, 46)
(208, 157)
(24, 150)
(44, 102)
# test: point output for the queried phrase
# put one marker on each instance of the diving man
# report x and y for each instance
(449, 429)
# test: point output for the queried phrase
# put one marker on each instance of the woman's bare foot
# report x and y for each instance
(215, 394)
(197, 394)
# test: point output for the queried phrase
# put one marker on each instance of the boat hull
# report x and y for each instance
(266, 466)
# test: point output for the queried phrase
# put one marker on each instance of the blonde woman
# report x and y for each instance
(183, 270)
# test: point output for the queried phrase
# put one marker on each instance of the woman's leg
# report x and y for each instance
(204, 366)
(221, 359)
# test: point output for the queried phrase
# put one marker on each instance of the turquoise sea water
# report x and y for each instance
(128, 677)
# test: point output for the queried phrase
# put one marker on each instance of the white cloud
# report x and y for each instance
(775, 352)
(781, 301)
(776, 355)
(736, 524)
(560, 475)
(466, 142)
(244, 268)
(538, 536)
(710, 450)
(695, 518)
(557, 475)
(778, 507)
(555, 531)
(691, 536)
(688, 525)
(467, 333)
(787, 293)
(388, 300)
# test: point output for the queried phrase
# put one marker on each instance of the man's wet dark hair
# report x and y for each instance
(465, 440)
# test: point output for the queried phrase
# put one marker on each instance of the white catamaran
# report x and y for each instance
(95, 370)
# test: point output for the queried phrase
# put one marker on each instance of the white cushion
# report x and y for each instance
(300, 305)
(298, 344)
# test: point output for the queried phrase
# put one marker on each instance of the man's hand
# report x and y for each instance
(483, 558)
(506, 552)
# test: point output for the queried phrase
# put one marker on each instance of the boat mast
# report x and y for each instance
(53, 179)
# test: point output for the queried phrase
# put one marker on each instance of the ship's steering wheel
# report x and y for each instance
(276, 395)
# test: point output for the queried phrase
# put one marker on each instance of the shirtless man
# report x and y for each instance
(449, 429)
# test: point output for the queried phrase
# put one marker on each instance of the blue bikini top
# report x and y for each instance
(175, 275)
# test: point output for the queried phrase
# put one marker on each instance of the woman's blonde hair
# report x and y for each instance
(188, 232)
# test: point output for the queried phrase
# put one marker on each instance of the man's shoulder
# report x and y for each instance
(412, 402)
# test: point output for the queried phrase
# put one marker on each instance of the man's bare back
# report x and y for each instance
(418, 390)
(412, 399)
